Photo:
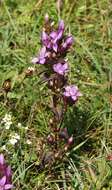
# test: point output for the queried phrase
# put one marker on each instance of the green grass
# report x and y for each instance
(86, 167)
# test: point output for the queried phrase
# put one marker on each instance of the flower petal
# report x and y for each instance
(8, 186)
(44, 36)
(73, 90)
(3, 181)
(68, 42)
(55, 47)
(74, 98)
(2, 161)
(65, 66)
(45, 39)
(42, 61)
(8, 171)
(42, 52)
(79, 94)
(61, 25)
(60, 34)
(67, 88)
(66, 94)
(35, 60)
(58, 68)
(53, 35)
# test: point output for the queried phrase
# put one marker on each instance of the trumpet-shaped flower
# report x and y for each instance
(51, 41)
(41, 59)
(60, 68)
(72, 92)
(67, 43)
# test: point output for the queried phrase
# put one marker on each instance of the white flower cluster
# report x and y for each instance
(28, 142)
(7, 121)
(19, 125)
(14, 139)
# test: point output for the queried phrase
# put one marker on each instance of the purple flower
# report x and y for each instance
(61, 26)
(3, 185)
(51, 41)
(60, 68)
(54, 38)
(2, 161)
(72, 92)
(67, 43)
(5, 175)
(46, 40)
(60, 30)
(41, 59)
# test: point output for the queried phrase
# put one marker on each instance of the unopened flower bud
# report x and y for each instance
(70, 140)
(57, 155)
(46, 17)
(50, 139)
(63, 134)
(56, 129)
(58, 90)
(51, 121)
(66, 147)
(7, 85)
(109, 157)
(51, 83)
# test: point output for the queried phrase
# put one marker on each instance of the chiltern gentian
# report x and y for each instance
(52, 56)
(60, 68)
(67, 43)
(72, 92)
(41, 59)
(51, 41)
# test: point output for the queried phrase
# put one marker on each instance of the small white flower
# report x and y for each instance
(16, 136)
(28, 141)
(8, 124)
(26, 128)
(19, 125)
(31, 69)
(3, 147)
(7, 121)
(6, 118)
(13, 141)
(69, 167)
